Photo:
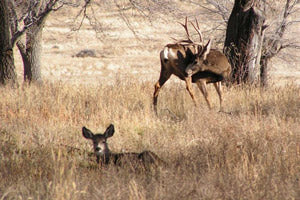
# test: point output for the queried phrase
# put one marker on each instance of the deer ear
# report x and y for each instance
(200, 49)
(87, 133)
(109, 131)
(206, 49)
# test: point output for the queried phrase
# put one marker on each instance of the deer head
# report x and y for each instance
(99, 141)
(200, 61)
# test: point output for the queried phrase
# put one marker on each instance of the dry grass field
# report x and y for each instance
(251, 153)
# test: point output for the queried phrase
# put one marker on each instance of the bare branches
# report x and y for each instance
(127, 12)
(218, 11)
(125, 19)
(282, 26)
(275, 42)
(278, 23)
(36, 13)
(291, 45)
(215, 8)
(83, 12)
(19, 33)
(149, 9)
(221, 9)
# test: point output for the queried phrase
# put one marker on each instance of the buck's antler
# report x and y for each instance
(198, 30)
(189, 40)
(185, 26)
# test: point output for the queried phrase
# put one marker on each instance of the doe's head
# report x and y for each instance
(99, 140)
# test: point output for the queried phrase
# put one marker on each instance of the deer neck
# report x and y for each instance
(105, 156)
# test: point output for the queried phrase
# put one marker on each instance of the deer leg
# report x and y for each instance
(164, 76)
(188, 81)
(218, 87)
(202, 87)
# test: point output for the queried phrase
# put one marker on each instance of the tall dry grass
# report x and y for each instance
(253, 153)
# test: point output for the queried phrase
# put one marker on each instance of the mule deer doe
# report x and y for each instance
(194, 63)
(142, 160)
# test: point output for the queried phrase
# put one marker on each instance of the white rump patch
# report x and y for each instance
(166, 52)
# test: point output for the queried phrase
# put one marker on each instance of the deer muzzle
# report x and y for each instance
(191, 69)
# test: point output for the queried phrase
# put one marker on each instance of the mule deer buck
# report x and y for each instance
(104, 156)
(194, 63)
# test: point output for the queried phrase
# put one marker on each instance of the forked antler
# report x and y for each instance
(198, 30)
(189, 40)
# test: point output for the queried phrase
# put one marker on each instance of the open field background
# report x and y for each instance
(253, 153)
(121, 52)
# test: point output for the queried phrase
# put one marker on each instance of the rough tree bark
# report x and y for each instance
(31, 49)
(243, 43)
(30, 23)
(31, 53)
(264, 71)
(7, 67)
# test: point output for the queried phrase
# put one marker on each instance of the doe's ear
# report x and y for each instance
(87, 133)
(109, 131)
(206, 49)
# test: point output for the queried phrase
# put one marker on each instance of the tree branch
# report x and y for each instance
(84, 11)
(32, 18)
(274, 43)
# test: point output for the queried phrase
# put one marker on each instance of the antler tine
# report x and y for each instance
(198, 30)
(197, 23)
(181, 41)
(185, 26)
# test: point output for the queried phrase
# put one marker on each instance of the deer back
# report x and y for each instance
(143, 160)
(217, 63)
(212, 67)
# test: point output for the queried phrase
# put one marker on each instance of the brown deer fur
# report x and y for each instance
(193, 63)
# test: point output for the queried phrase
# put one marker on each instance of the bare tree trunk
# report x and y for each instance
(264, 72)
(30, 50)
(275, 43)
(7, 67)
(243, 41)
(31, 53)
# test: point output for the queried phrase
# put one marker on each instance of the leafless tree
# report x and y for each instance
(32, 16)
(24, 18)
(7, 67)
(278, 37)
(267, 22)
(244, 36)
(28, 18)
